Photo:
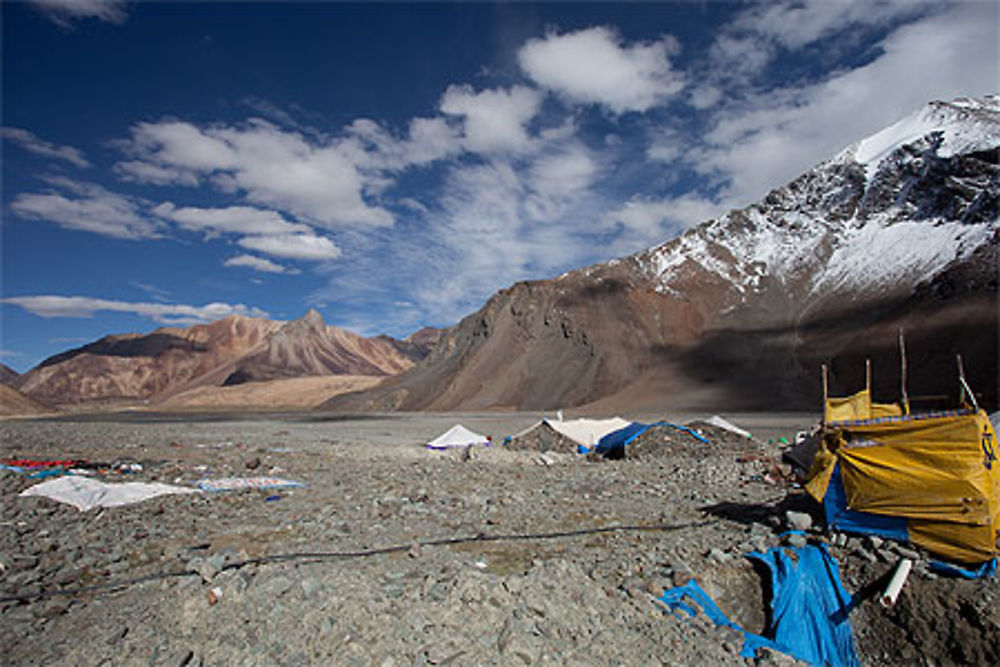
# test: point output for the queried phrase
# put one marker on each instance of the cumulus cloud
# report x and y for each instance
(645, 222)
(64, 12)
(258, 264)
(594, 66)
(293, 246)
(493, 119)
(229, 220)
(316, 181)
(175, 314)
(90, 208)
(28, 141)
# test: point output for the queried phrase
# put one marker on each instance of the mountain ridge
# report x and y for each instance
(742, 309)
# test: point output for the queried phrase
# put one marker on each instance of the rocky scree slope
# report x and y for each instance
(897, 231)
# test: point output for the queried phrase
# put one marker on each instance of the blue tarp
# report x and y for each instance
(809, 608)
(987, 569)
(612, 446)
(840, 517)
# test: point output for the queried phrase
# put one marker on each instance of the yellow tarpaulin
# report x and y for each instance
(937, 470)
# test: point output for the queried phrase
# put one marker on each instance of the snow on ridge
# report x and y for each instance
(966, 125)
(884, 254)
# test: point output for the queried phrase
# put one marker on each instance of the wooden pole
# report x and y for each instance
(902, 373)
(826, 393)
(965, 389)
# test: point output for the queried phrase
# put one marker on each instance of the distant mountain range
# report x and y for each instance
(156, 367)
(897, 231)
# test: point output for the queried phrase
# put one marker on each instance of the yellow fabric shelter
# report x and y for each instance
(939, 471)
(859, 406)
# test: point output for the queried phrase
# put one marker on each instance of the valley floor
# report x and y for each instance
(395, 555)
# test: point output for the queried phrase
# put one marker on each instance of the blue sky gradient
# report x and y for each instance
(393, 165)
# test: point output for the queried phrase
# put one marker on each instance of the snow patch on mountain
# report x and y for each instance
(965, 126)
(880, 254)
(813, 234)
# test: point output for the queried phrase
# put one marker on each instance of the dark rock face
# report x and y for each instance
(741, 311)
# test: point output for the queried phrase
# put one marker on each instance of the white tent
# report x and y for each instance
(457, 436)
(586, 432)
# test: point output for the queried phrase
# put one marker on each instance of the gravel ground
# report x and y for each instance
(395, 555)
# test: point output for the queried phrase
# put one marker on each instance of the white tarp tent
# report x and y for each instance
(586, 432)
(84, 493)
(457, 436)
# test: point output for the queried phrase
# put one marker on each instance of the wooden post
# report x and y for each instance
(902, 373)
(964, 386)
(826, 393)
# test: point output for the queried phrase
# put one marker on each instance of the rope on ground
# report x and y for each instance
(110, 586)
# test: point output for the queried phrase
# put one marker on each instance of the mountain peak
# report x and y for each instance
(313, 318)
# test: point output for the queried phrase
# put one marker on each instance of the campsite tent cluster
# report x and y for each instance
(606, 437)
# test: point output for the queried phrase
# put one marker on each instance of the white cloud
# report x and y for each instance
(795, 24)
(771, 137)
(494, 119)
(258, 264)
(646, 222)
(32, 143)
(316, 181)
(64, 12)
(176, 314)
(93, 209)
(230, 220)
(556, 180)
(593, 66)
(293, 246)
(136, 171)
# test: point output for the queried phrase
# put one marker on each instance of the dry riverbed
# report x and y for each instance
(394, 555)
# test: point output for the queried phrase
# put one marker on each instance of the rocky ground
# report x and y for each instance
(395, 555)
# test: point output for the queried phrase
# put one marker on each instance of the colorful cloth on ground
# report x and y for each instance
(240, 483)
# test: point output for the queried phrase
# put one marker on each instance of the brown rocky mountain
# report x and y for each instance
(8, 375)
(898, 231)
(14, 403)
(155, 366)
(309, 347)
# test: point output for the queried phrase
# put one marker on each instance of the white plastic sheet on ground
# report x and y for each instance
(84, 493)
(457, 436)
(716, 420)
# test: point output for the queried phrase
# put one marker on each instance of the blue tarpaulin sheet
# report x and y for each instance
(840, 517)
(987, 569)
(809, 608)
(612, 446)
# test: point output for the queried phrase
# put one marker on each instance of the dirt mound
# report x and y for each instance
(664, 441)
(543, 438)
(301, 393)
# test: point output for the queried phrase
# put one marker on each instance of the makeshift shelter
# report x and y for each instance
(557, 434)
(457, 436)
(931, 479)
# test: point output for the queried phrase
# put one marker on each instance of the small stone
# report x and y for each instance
(717, 555)
(798, 520)
(874, 542)
(797, 541)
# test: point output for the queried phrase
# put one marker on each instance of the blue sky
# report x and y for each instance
(393, 165)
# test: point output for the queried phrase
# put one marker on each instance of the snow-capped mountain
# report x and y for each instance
(899, 230)
(885, 214)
